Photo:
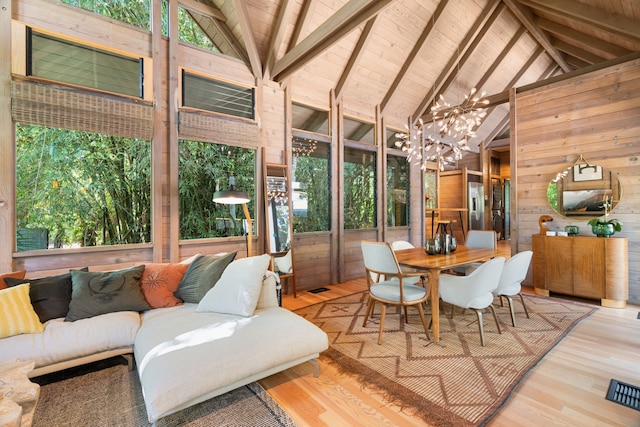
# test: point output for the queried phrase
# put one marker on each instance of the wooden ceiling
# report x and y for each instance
(400, 55)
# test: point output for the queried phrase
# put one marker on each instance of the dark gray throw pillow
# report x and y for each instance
(202, 275)
(95, 293)
(50, 296)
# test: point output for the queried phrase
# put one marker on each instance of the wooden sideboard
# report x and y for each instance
(582, 266)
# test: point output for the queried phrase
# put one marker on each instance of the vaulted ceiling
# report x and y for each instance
(400, 55)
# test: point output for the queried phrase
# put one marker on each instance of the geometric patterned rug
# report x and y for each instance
(455, 382)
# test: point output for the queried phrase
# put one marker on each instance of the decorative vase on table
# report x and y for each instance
(603, 230)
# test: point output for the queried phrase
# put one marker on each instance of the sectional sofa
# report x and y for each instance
(196, 329)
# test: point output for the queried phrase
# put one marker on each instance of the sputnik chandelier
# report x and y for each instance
(446, 136)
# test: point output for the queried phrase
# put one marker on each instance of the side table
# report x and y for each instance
(18, 395)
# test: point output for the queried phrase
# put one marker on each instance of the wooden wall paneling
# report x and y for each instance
(313, 260)
(337, 183)
(83, 26)
(381, 181)
(353, 264)
(595, 114)
(7, 145)
(172, 139)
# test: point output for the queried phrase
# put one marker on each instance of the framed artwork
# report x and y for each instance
(587, 172)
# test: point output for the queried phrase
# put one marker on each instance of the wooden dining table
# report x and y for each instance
(417, 258)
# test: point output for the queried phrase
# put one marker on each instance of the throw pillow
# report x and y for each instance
(238, 290)
(16, 312)
(95, 293)
(50, 296)
(202, 275)
(15, 275)
(160, 281)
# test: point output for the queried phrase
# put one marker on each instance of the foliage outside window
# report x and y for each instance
(311, 198)
(138, 12)
(134, 12)
(359, 189)
(81, 188)
(430, 188)
(397, 191)
(204, 167)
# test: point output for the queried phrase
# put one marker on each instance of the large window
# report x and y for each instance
(134, 12)
(205, 167)
(311, 198)
(77, 188)
(220, 97)
(68, 62)
(359, 189)
(397, 191)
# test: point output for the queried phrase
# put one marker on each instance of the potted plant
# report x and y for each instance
(604, 227)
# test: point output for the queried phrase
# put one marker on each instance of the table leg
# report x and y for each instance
(435, 304)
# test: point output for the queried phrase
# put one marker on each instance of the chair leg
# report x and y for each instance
(513, 313)
(495, 317)
(406, 316)
(524, 306)
(424, 321)
(383, 311)
(369, 312)
(480, 326)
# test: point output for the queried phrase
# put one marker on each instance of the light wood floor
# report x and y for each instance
(567, 387)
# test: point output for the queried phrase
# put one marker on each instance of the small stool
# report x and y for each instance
(442, 227)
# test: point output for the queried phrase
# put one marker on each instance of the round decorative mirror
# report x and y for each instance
(584, 191)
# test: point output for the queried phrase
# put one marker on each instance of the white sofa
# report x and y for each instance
(183, 356)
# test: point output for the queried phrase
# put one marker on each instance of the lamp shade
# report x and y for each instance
(231, 197)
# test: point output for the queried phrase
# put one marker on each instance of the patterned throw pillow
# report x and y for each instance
(159, 281)
(96, 293)
(202, 275)
(15, 275)
(16, 312)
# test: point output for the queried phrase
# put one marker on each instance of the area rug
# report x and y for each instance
(455, 382)
(113, 397)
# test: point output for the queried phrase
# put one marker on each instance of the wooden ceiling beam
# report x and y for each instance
(610, 22)
(341, 23)
(503, 54)
(203, 9)
(584, 41)
(247, 35)
(302, 18)
(412, 56)
(451, 66)
(355, 58)
(277, 36)
(525, 16)
(569, 49)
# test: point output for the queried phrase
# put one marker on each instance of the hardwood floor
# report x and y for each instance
(567, 387)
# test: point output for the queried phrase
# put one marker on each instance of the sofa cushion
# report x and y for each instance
(96, 293)
(13, 275)
(238, 289)
(202, 275)
(16, 312)
(50, 296)
(159, 281)
(61, 341)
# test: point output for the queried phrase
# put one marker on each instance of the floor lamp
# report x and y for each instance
(234, 197)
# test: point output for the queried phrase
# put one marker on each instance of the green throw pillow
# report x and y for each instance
(95, 293)
(202, 275)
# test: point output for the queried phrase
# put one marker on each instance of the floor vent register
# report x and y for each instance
(624, 394)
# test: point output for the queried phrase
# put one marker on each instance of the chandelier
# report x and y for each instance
(446, 136)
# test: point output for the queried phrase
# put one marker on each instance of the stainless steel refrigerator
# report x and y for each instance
(475, 203)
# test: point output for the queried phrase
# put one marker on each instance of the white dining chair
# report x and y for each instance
(477, 239)
(379, 260)
(510, 284)
(474, 291)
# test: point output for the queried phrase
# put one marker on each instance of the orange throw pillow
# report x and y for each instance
(15, 275)
(159, 281)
